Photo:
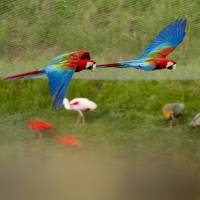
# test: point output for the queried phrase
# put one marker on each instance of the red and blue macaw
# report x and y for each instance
(59, 72)
(154, 56)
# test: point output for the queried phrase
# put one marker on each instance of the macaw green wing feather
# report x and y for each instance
(60, 59)
(166, 41)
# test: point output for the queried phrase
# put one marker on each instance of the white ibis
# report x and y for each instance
(79, 105)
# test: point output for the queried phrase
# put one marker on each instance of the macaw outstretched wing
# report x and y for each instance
(61, 59)
(163, 44)
(59, 80)
(166, 41)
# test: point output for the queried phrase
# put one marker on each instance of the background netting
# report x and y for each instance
(34, 31)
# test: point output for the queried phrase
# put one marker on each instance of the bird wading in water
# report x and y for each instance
(59, 72)
(155, 54)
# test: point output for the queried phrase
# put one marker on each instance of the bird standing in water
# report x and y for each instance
(172, 112)
(79, 105)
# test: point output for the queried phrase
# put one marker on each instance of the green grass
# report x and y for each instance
(127, 128)
(31, 34)
(125, 140)
(128, 118)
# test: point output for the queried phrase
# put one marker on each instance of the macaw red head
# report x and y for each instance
(83, 61)
(86, 64)
(168, 64)
(164, 63)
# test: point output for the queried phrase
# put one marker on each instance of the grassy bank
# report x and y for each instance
(32, 33)
(128, 119)
(127, 147)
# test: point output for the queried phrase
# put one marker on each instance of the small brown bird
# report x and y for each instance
(196, 121)
(172, 112)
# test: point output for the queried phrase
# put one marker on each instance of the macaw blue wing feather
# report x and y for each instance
(55, 80)
(59, 80)
(137, 64)
(57, 104)
(166, 41)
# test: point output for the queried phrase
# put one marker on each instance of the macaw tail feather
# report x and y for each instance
(25, 75)
(109, 65)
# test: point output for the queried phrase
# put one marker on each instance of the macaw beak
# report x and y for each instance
(171, 66)
(94, 66)
(174, 68)
(91, 66)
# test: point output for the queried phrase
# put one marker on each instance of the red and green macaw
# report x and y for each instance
(61, 69)
(59, 72)
(154, 56)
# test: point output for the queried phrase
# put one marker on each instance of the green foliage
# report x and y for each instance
(128, 117)
(109, 29)
(148, 96)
